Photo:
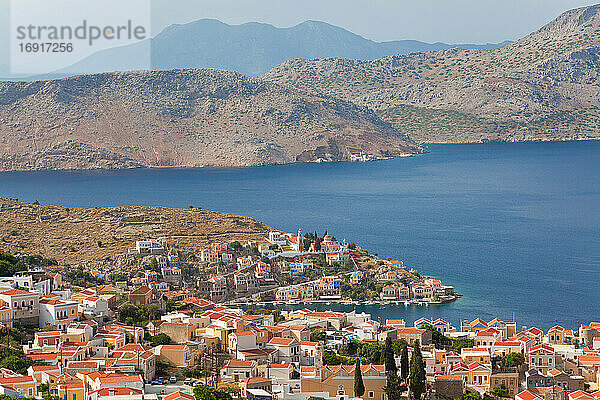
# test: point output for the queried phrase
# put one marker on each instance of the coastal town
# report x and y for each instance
(161, 323)
(283, 268)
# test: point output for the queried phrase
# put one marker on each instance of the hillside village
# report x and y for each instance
(274, 269)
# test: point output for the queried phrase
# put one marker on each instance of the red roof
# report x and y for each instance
(279, 366)
(16, 379)
(118, 378)
(544, 347)
(411, 331)
(591, 358)
(244, 333)
(15, 292)
(179, 395)
(363, 368)
(39, 368)
(256, 379)
(330, 314)
(507, 344)
(239, 364)
(119, 391)
(580, 394)
(526, 395)
(448, 378)
(281, 341)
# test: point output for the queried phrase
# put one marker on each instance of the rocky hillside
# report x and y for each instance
(75, 235)
(542, 87)
(183, 118)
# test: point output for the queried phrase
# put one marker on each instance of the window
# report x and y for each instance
(371, 394)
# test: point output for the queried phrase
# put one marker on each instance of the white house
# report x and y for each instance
(288, 349)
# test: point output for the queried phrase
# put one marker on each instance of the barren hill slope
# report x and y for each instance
(76, 235)
(185, 118)
(542, 87)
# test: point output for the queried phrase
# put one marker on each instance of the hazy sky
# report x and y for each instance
(450, 21)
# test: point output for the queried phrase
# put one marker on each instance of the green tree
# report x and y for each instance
(128, 310)
(471, 396)
(515, 360)
(359, 386)
(437, 337)
(154, 312)
(189, 372)
(393, 387)
(235, 246)
(331, 358)
(388, 351)
(459, 344)
(207, 393)
(44, 388)
(500, 391)
(15, 363)
(318, 336)
(161, 338)
(417, 373)
(404, 368)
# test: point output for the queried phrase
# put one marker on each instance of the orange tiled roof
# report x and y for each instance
(15, 292)
(281, 341)
(526, 395)
(239, 364)
(279, 366)
(179, 395)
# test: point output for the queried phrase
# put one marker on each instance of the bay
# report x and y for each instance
(515, 227)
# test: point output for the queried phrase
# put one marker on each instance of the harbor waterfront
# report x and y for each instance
(514, 227)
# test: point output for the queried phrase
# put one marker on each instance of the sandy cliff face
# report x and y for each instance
(542, 87)
(186, 118)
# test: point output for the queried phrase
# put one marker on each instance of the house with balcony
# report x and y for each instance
(23, 304)
(330, 287)
(288, 349)
(58, 313)
(543, 357)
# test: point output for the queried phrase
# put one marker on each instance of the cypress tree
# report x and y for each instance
(404, 363)
(388, 351)
(417, 373)
(393, 388)
(359, 386)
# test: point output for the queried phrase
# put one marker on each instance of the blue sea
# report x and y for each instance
(514, 227)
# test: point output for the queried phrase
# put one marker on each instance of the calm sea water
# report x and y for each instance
(514, 227)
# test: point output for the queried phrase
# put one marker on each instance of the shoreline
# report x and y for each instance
(231, 167)
(349, 302)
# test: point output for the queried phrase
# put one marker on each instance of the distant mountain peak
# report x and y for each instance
(251, 48)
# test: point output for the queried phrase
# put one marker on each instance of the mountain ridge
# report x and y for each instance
(541, 87)
(182, 118)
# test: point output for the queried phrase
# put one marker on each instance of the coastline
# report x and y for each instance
(424, 145)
